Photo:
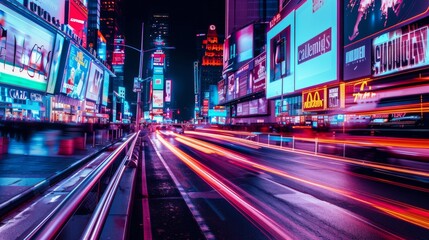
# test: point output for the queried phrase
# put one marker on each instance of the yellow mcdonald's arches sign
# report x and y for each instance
(313, 100)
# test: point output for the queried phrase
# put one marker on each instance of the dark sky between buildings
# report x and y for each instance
(187, 18)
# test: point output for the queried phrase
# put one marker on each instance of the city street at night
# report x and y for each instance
(225, 119)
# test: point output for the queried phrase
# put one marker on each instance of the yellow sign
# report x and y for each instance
(313, 100)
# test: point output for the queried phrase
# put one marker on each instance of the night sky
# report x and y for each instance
(187, 18)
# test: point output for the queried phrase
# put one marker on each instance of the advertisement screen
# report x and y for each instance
(402, 49)
(105, 97)
(316, 41)
(55, 65)
(26, 51)
(231, 88)
(364, 18)
(258, 74)
(253, 107)
(78, 21)
(244, 41)
(158, 81)
(357, 60)
(280, 54)
(158, 59)
(168, 91)
(95, 79)
(158, 70)
(158, 99)
(221, 91)
(54, 10)
(243, 80)
(76, 73)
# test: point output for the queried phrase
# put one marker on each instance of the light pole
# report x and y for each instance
(137, 87)
(138, 108)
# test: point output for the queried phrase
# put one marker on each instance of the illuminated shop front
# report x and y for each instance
(19, 104)
(64, 109)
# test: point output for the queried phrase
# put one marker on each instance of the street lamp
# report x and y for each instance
(138, 90)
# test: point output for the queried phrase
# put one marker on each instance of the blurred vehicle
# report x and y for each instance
(177, 128)
(190, 127)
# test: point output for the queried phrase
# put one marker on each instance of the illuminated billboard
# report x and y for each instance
(364, 18)
(55, 65)
(76, 73)
(51, 11)
(26, 52)
(221, 91)
(243, 80)
(316, 44)
(244, 41)
(158, 99)
(95, 79)
(402, 49)
(158, 58)
(118, 56)
(105, 97)
(158, 82)
(78, 20)
(280, 57)
(253, 107)
(232, 88)
(258, 74)
(168, 91)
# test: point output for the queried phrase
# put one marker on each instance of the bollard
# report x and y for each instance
(293, 142)
(268, 139)
(93, 139)
(281, 141)
(84, 140)
(315, 145)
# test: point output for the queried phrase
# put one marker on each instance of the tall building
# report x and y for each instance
(240, 13)
(209, 72)
(109, 24)
(110, 15)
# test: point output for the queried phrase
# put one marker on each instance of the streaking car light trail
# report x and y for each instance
(267, 223)
(345, 160)
(401, 211)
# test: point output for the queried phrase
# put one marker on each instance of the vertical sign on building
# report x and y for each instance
(168, 91)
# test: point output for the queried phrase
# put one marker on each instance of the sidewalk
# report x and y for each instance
(29, 164)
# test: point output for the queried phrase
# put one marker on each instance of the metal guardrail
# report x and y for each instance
(52, 224)
(95, 226)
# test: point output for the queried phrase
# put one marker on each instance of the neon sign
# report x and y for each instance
(313, 100)
(364, 93)
(397, 51)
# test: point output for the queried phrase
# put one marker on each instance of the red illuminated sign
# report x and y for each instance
(78, 21)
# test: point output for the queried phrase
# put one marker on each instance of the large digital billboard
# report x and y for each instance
(401, 49)
(244, 41)
(221, 91)
(76, 73)
(158, 58)
(243, 80)
(316, 43)
(281, 57)
(168, 89)
(57, 55)
(78, 20)
(258, 74)
(158, 81)
(364, 18)
(105, 97)
(52, 11)
(26, 51)
(158, 99)
(95, 79)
